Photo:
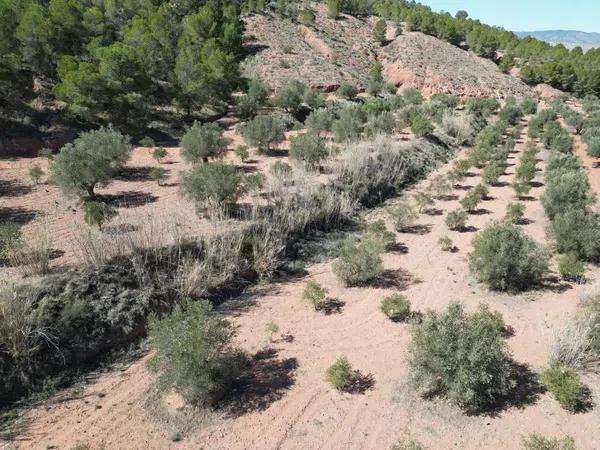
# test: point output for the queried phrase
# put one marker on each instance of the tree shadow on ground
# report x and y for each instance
(12, 188)
(555, 284)
(418, 229)
(134, 174)
(18, 215)
(447, 198)
(267, 380)
(433, 211)
(399, 279)
(129, 199)
(397, 247)
(331, 306)
(480, 212)
(362, 383)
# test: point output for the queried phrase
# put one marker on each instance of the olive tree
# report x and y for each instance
(92, 159)
(203, 141)
(263, 131)
(210, 184)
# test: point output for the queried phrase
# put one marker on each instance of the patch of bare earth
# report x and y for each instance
(292, 407)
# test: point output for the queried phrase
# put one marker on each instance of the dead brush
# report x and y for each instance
(32, 257)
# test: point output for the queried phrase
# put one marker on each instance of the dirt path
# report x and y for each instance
(299, 410)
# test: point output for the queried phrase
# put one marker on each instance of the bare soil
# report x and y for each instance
(290, 406)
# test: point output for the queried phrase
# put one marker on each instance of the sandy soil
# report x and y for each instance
(292, 407)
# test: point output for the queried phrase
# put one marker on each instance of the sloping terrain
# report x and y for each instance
(569, 38)
(331, 51)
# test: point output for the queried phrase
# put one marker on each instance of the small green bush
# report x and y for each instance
(358, 262)
(194, 353)
(396, 307)
(379, 31)
(314, 294)
(515, 212)
(403, 214)
(147, 142)
(46, 153)
(35, 173)
(421, 127)
(255, 182)
(564, 385)
(470, 201)
(446, 243)
(242, 152)
(422, 200)
(347, 90)
(10, 239)
(158, 174)
(210, 184)
(529, 105)
(309, 149)
(457, 219)
(159, 153)
(203, 141)
(408, 444)
(462, 357)
(319, 121)
(280, 169)
(98, 213)
(571, 268)
(412, 96)
(263, 131)
(350, 124)
(341, 375)
(566, 191)
(521, 188)
(440, 186)
(511, 114)
(505, 258)
(379, 230)
(307, 17)
(539, 442)
(577, 231)
(493, 172)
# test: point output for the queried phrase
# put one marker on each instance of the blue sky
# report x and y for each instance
(528, 15)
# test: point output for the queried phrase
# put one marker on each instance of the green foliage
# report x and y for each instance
(306, 17)
(147, 142)
(213, 183)
(529, 105)
(98, 213)
(493, 172)
(403, 214)
(565, 191)
(383, 123)
(10, 239)
(291, 96)
(159, 153)
(412, 96)
(334, 7)
(511, 114)
(422, 200)
(263, 131)
(203, 141)
(379, 230)
(158, 174)
(409, 444)
(505, 258)
(421, 127)
(341, 375)
(515, 212)
(379, 31)
(482, 106)
(242, 152)
(446, 243)
(194, 353)
(564, 385)
(35, 172)
(358, 262)
(319, 121)
(396, 307)
(539, 442)
(309, 149)
(347, 90)
(571, 268)
(470, 201)
(462, 357)
(577, 231)
(440, 187)
(350, 124)
(314, 294)
(280, 169)
(255, 182)
(46, 153)
(457, 219)
(92, 159)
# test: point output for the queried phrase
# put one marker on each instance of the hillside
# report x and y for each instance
(569, 38)
(331, 51)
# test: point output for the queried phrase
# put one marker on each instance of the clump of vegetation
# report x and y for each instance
(379, 31)
(308, 148)
(319, 121)
(440, 187)
(314, 294)
(515, 212)
(408, 444)
(158, 174)
(379, 230)
(203, 141)
(421, 126)
(98, 213)
(403, 214)
(565, 386)
(470, 201)
(347, 90)
(10, 239)
(212, 184)
(46, 153)
(505, 258)
(242, 152)
(462, 357)
(194, 353)
(147, 142)
(539, 442)
(280, 169)
(263, 131)
(93, 158)
(396, 307)
(422, 200)
(571, 268)
(159, 153)
(255, 182)
(577, 231)
(359, 262)
(341, 375)
(457, 219)
(35, 173)
(350, 124)
(446, 243)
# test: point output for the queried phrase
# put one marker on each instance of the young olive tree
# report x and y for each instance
(203, 141)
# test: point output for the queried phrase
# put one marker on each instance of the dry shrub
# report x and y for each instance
(459, 127)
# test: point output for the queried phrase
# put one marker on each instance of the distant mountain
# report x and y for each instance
(569, 38)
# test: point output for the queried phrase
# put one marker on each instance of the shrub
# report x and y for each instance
(463, 357)
(521, 188)
(409, 444)
(306, 17)
(515, 212)
(333, 8)
(255, 182)
(358, 262)
(562, 143)
(291, 96)
(10, 239)
(446, 243)
(98, 213)
(212, 184)
(308, 148)
(575, 120)
(203, 141)
(593, 146)
(565, 386)
(347, 90)
(147, 142)
(529, 105)
(92, 159)
(319, 121)
(383, 123)
(459, 127)
(35, 173)
(314, 294)
(456, 220)
(379, 230)
(470, 201)
(482, 106)
(379, 31)
(412, 96)
(46, 153)
(566, 191)
(511, 114)
(493, 172)
(350, 124)
(403, 214)
(440, 187)
(505, 258)
(263, 131)
(193, 353)
(571, 268)
(341, 375)
(158, 174)
(159, 153)
(422, 200)
(280, 169)
(539, 442)
(396, 307)
(421, 127)
(576, 231)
